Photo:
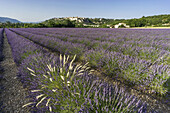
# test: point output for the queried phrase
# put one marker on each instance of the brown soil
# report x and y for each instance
(12, 94)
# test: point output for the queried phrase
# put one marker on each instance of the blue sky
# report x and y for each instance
(40, 10)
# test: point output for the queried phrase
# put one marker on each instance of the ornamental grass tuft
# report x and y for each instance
(70, 87)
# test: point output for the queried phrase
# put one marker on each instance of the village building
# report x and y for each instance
(120, 24)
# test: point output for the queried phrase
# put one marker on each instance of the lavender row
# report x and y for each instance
(21, 48)
(55, 44)
(146, 53)
(130, 47)
(135, 71)
(113, 35)
(131, 68)
(140, 37)
(38, 62)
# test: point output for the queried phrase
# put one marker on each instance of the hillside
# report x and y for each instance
(155, 21)
(5, 19)
(149, 21)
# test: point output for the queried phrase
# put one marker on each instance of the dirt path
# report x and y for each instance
(12, 93)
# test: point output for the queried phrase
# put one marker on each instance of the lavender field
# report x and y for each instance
(59, 66)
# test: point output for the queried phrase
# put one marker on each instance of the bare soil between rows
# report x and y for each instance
(12, 94)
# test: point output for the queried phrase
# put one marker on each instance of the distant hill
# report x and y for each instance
(5, 19)
(155, 21)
